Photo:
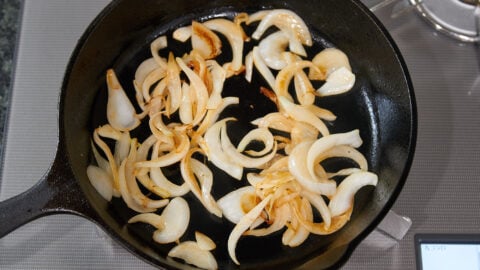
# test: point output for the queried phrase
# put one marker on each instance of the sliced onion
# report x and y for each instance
(192, 253)
(243, 225)
(289, 23)
(323, 144)
(276, 121)
(160, 180)
(174, 85)
(259, 134)
(171, 157)
(322, 113)
(121, 114)
(319, 203)
(200, 90)
(177, 217)
(218, 78)
(213, 114)
(126, 196)
(249, 66)
(101, 181)
(234, 204)
(205, 41)
(300, 234)
(182, 34)
(156, 45)
(343, 198)
(122, 147)
(131, 181)
(303, 88)
(281, 216)
(297, 164)
(302, 114)
(327, 61)
(272, 48)
(234, 34)
(282, 81)
(185, 110)
(238, 157)
(216, 154)
(338, 82)
(263, 68)
(204, 242)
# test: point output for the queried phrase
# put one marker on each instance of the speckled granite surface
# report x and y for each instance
(10, 11)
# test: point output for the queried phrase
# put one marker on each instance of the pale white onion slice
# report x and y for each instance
(169, 158)
(157, 221)
(258, 134)
(257, 16)
(343, 198)
(297, 164)
(300, 234)
(204, 242)
(236, 203)
(126, 196)
(276, 121)
(284, 76)
(191, 253)
(272, 48)
(218, 77)
(239, 158)
(101, 181)
(338, 82)
(160, 180)
(122, 147)
(205, 41)
(185, 110)
(199, 88)
(323, 144)
(156, 45)
(249, 66)
(156, 76)
(303, 88)
(319, 203)
(234, 34)
(145, 68)
(243, 225)
(177, 217)
(302, 114)
(327, 61)
(263, 68)
(174, 85)
(289, 23)
(194, 172)
(322, 113)
(121, 114)
(281, 216)
(132, 184)
(213, 114)
(148, 183)
(215, 153)
(182, 34)
(111, 160)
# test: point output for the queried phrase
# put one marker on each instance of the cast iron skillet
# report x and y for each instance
(381, 105)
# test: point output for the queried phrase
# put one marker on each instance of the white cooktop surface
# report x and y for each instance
(441, 194)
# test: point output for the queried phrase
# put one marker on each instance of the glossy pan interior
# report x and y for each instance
(381, 105)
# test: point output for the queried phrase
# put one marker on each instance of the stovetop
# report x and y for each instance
(441, 194)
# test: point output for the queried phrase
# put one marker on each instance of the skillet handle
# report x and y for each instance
(57, 192)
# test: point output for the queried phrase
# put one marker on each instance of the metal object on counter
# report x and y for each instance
(459, 19)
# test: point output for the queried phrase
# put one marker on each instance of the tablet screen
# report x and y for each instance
(448, 252)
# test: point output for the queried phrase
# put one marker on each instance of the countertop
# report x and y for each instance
(10, 11)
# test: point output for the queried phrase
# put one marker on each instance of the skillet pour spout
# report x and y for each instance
(381, 105)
